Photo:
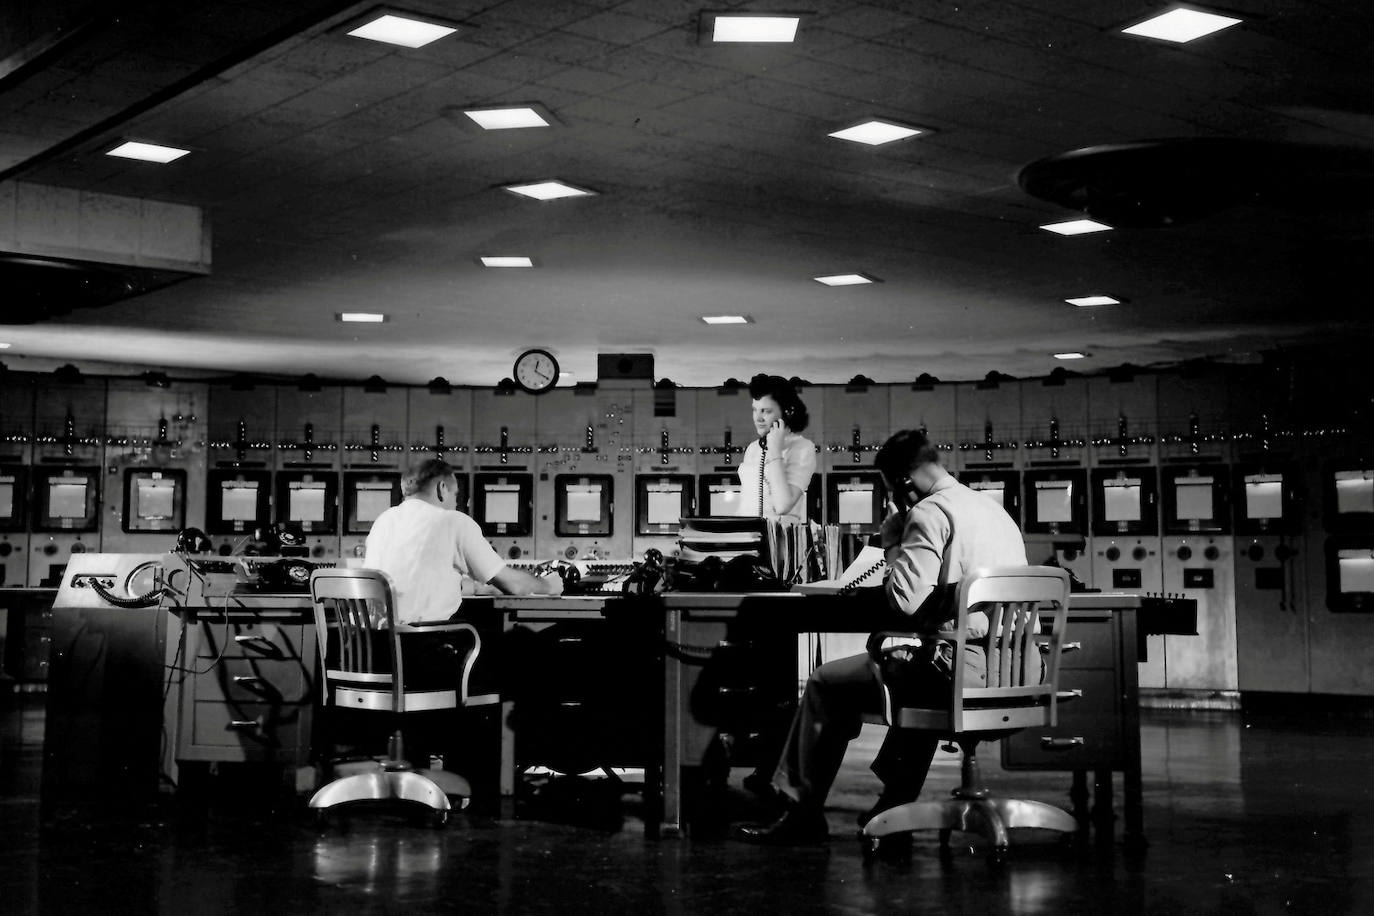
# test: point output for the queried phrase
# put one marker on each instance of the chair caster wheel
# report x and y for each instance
(998, 856)
(438, 820)
(870, 846)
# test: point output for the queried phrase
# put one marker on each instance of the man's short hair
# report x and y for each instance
(423, 473)
(904, 451)
(781, 390)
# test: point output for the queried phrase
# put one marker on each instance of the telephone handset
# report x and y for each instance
(905, 495)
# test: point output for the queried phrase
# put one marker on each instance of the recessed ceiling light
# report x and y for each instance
(362, 317)
(147, 152)
(745, 27)
(547, 190)
(1083, 301)
(399, 30)
(875, 133)
(727, 319)
(1076, 227)
(1180, 25)
(507, 262)
(844, 280)
(1074, 355)
(506, 118)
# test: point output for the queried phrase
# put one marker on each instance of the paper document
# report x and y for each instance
(866, 571)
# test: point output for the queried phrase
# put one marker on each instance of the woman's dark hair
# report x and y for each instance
(794, 412)
(422, 473)
(903, 451)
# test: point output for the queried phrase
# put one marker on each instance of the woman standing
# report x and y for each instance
(776, 468)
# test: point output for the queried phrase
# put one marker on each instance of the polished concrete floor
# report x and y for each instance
(1243, 816)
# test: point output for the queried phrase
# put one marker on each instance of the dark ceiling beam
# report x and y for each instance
(318, 14)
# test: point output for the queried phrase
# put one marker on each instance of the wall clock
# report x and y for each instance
(536, 371)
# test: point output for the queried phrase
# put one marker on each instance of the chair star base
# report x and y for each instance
(431, 788)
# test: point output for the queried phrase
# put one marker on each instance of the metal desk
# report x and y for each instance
(1107, 627)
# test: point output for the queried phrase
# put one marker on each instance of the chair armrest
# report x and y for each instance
(879, 636)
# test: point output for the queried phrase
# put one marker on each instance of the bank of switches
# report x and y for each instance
(588, 577)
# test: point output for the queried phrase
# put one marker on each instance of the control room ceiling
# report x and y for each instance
(340, 175)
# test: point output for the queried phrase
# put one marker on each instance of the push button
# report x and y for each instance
(1211, 553)
(1139, 554)
(1113, 553)
(1255, 553)
(1184, 553)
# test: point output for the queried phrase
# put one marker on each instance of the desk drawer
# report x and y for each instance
(1087, 737)
(245, 731)
(251, 681)
(270, 641)
(1095, 636)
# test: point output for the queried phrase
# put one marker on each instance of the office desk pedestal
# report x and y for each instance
(1100, 732)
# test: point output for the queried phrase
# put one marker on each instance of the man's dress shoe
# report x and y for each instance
(797, 827)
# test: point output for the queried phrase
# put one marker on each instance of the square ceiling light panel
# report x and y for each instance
(511, 117)
(1181, 25)
(876, 132)
(751, 28)
(1076, 227)
(548, 190)
(403, 30)
(147, 152)
(845, 279)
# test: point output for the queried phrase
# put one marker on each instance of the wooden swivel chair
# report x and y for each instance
(351, 607)
(1016, 696)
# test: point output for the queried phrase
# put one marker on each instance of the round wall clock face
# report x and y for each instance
(536, 370)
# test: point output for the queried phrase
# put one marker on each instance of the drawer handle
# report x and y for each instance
(258, 687)
(244, 725)
(1064, 696)
(1070, 647)
(1060, 744)
(731, 691)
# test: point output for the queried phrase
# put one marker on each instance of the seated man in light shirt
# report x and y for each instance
(427, 547)
(939, 531)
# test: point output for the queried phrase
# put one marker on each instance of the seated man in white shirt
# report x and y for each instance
(938, 532)
(427, 546)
